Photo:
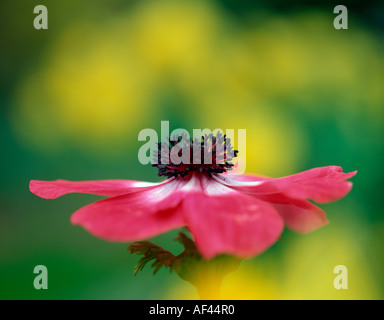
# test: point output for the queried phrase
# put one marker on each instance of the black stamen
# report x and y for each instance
(217, 148)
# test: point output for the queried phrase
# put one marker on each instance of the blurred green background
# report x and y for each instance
(74, 97)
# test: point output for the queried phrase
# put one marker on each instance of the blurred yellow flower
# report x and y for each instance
(309, 265)
(245, 284)
(88, 92)
(97, 84)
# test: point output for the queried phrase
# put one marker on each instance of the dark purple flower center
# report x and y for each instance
(182, 155)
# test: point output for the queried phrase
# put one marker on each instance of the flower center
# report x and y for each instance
(182, 155)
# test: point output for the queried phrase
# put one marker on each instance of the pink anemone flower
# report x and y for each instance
(242, 215)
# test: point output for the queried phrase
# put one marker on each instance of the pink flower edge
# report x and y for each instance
(240, 215)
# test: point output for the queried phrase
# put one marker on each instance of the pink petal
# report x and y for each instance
(244, 177)
(222, 220)
(109, 188)
(298, 214)
(248, 184)
(304, 218)
(323, 185)
(138, 215)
